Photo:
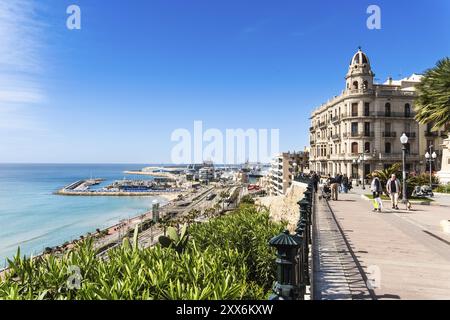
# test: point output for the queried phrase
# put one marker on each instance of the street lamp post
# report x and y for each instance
(363, 169)
(356, 162)
(404, 142)
(431, 157)
(359, 161)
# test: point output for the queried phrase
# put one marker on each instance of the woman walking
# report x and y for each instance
(377, 190)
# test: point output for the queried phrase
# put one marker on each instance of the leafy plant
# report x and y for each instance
(433, 101)
(247, 230)
(248, 199)
(226, 258)
(175, 240)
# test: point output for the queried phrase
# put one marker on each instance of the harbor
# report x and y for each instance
(126, 187)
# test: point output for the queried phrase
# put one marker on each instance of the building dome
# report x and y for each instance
(359, 58)
(359, 75)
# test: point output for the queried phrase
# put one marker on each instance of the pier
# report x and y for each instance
(125, 188)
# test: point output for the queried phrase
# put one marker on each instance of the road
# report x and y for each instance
(406, 252)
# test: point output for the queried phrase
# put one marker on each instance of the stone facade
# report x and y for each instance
(366, 119)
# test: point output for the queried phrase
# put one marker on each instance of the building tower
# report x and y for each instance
(359, 75)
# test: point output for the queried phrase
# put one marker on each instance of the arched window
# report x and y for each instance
(355, 85)
(407, 110)
(355, 147)
(387, 147)
(367, 147)
(365, 84)
(387, 109)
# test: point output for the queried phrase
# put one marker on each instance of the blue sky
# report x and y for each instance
(137, 70)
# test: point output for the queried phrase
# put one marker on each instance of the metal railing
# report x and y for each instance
(429, 133)
(293, 271)
(395, 114)
(389, 134)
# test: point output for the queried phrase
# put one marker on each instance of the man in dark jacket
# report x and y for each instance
(315, 180)
(345, 183)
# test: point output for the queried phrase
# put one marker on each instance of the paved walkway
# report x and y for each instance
(405, 254)
(336, 274)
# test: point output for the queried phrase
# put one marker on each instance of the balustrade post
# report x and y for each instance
(285, 287)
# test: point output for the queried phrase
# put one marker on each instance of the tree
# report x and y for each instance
(433, 101)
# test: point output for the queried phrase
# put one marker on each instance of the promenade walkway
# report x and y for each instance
(403, 254)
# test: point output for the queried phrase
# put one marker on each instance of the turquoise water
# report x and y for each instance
(32, 217)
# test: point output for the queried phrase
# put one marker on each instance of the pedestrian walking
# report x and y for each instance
(315, 180)
(334, 187)
(345, 183)
(393, 188)
(339, 181)
(377, 190)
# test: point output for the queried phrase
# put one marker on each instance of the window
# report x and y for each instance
(407, 128)
(354, 128)
(354, 109)
(387, 109)
(367, 147)
(387, 127)
(387, 147)
(355, 147)
(366, 109)
(407, 110)
(367, 129)
(408, 148)
(355, 85)
(365, 84)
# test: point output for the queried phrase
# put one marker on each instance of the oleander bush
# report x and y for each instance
(226, 258)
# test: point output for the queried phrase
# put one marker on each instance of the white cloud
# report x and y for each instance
(21, 62)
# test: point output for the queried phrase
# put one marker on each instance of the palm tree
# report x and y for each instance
(433, 101)
(385, 174)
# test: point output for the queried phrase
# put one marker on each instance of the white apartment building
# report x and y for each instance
(282, 171)
(365, 122)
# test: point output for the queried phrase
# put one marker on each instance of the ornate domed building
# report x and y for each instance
(359, 131)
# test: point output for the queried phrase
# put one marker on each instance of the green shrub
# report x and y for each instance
(443, 188)
(226, 258)
(248, 230)
(247, 199)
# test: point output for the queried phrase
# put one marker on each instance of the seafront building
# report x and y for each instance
(283, 168)
(359, 130)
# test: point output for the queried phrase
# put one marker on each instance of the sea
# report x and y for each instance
(32, 217)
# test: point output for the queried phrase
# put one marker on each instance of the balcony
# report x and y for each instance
(362, 134)
(410, 135)
(398, 156)
(389, 134)
(384, 114)
(335, 119)
(360, 91)
(432, 134)
(336, 137)
(358, 115)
